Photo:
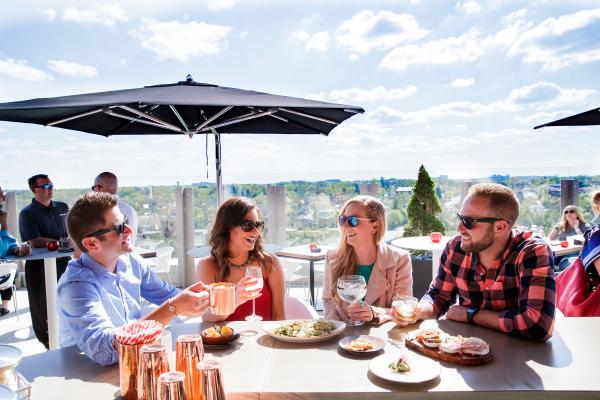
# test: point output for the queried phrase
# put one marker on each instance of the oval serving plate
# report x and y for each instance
(270, 326)
(377, 343)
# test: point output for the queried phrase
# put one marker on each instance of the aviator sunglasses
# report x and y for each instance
(469, 222)
(119, 229)
(248, 226)
(352, 220)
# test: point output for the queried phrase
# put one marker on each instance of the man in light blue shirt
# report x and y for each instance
(103, 289)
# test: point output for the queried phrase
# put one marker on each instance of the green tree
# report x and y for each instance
(422, 208)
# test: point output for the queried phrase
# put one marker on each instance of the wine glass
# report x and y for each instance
(254, 271)
(352, 288)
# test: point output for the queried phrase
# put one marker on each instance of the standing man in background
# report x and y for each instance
(107, 182)
(40, 222)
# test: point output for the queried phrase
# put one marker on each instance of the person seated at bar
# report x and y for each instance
(361, 251)
(8, 245)
(572, 223)
(236, 242)
(595, 198)
(103, 289)
(504, 278)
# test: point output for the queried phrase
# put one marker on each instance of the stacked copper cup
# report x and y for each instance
(153, 362)
(189, 352)
(170, 386)
(130, 339)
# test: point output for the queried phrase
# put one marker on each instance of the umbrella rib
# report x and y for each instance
(242, 119)
(85, 114)
(141, 121)
(187, 129)
(151, 118)
(211, 119)
(309, 116)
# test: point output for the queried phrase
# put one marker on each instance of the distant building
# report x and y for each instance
(404, 189)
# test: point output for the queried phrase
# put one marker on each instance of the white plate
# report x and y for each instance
(377, 343)
(270, 326)
(422, 369)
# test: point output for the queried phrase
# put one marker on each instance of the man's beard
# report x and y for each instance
(482, 244)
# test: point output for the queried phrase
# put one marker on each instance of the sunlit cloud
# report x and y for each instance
(379, 93)
(50, 14)
(20, 69)
(217, 5)
(319, 41)
(468, 7)
(72, 69)
(181, 41)
(462, 82)
(107, 15)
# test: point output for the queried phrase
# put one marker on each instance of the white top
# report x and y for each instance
(132, 216)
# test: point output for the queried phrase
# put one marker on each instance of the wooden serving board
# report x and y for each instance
(455, 358)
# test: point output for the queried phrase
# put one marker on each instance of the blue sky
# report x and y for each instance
(454, 85)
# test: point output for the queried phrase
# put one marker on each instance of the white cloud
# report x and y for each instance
(243, 34)
(367, 31)
(462, 82)
(107, 14)
(180, 41)
(21, 70)
(72, 69)
(468, 7)
(301, 36)
(465, 48)
(50, 14)
(547, 96)
(319, 41)
(217, 5)
(558, 42)
(378, 93)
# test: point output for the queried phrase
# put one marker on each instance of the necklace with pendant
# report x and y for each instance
(238, 266)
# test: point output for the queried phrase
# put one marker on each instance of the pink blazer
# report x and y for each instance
(392, 274)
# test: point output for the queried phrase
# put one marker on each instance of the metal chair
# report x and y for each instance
(10, 268)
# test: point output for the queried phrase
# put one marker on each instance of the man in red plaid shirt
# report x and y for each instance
(503, 278)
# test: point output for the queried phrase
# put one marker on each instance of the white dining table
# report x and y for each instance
(257, 366)
(50, 276)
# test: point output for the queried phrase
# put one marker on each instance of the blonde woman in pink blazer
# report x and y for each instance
(361, 251)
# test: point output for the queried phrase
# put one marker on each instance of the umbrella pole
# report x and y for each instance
(218, 167)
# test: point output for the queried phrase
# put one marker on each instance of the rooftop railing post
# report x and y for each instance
(11, 209)
(186, 274)
(276, 209)
(569, 193)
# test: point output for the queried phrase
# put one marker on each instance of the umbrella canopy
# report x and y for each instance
(185, 108)
(591, 117)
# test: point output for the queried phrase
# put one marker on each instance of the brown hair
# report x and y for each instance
(596, 197)
(503, 202)
(564, 222)
(345, 258)
(229, 215)
(87, 215)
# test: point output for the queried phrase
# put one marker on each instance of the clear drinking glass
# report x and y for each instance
(255, 271)
(352, 288)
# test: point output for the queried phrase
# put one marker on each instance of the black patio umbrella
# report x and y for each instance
(591, 117)
(183, 108)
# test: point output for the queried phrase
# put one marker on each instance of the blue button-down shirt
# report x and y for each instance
(94, 302)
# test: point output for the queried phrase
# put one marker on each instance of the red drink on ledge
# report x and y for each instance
(436, 237)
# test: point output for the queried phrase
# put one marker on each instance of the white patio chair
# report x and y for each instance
(10, 268)
(296, 308)
(162, 262)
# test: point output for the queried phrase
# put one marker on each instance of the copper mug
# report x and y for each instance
(211, 380)
(222, 298)
(153, 362)
(189, 352)
(128, 369)
(171, 386)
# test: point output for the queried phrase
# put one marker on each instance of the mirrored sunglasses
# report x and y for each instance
(352, 220)
(119, 229)
(469, 222)
(45, 186)
(248, 226)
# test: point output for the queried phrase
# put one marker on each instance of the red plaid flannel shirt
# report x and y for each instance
(520, 285)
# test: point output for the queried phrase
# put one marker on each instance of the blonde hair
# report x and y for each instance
(564, 223)
(345, 258)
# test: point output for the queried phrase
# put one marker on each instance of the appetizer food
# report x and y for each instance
(401, 365)
(451, 344)
(456, 349)
(305, 328)
(217, 331)
(430, 337)
(474, 346)
(360, 345)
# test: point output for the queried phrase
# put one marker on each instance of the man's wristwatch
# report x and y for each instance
(471, 311)
(172, 307)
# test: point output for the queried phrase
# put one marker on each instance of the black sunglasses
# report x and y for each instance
(119, 228)
(248, 226)
(351, 219)
(45, 186)
(569, 212)
(469, 222)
